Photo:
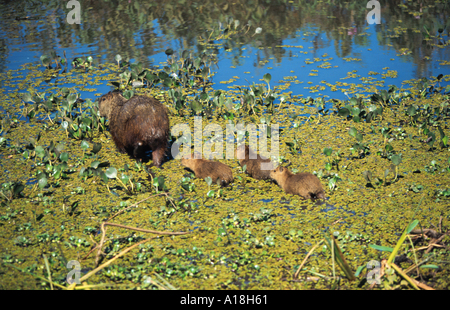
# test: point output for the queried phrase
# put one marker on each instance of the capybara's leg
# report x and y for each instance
(137, 151)
(158, 156)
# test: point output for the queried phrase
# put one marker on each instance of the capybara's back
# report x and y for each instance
(137, 125)
(203, 168)
(304, 184)
(254, 163)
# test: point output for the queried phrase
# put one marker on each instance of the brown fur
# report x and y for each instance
(207, 168)
(137, 125)
(303, 184)
(253, 165)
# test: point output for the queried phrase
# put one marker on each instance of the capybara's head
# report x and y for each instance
(185, 161)
(107, 102)
(278, 172)
(194, 159)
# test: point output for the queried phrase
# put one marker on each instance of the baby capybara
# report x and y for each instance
(304, 184)
(253, 162)
(137, 125)
(207, 168)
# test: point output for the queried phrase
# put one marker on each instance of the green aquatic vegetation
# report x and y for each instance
(294, 235)
(159, 184)
(208, 181)
(127, 181)
(415, 188)
(337, 256)
(332, 159)
(319, 104)
(52, 159)
(256, 99)
(432, 167)
(333, 178)
(182, 73)
(396, 160)
(76, 242)
(371, 180)
(187, 184)
(444, 138)
(9, 216)
(262, 229)
(359, 148)
(11, 190)
(442, 194)
(22, 241)
(93, 170)
(263, 215)
(47, 60)
(357, 109)
(82, 62)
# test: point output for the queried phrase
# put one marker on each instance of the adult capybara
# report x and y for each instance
(253, 161)
(304, 184)
(137, 125)
(203, 168)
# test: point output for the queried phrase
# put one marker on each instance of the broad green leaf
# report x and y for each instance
(84, 145)
(433, 138)
(327, 151)
(72, 98)
(125, 178)
(411, 111)
(26, 97)
(18, 188)
(196, 106)
(45, 60)
(381, 248)
(169, 52)
(64, 157)
(359, 137)
(411, 226)
(344, 112)
(401, 240)
(40, 151)
(358, 271)
(42, 182)
(87, 121)
(267, 77)
(103, 177)
(389, 148)
(97, 147)
(430, 266)
(208, 181)
(396, 159)
(111, 173)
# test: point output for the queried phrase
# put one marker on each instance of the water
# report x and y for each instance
(308, 45)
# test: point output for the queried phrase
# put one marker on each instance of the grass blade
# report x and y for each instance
(339, 258)
(408, 229)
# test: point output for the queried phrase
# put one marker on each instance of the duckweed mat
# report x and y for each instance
(382, 157)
